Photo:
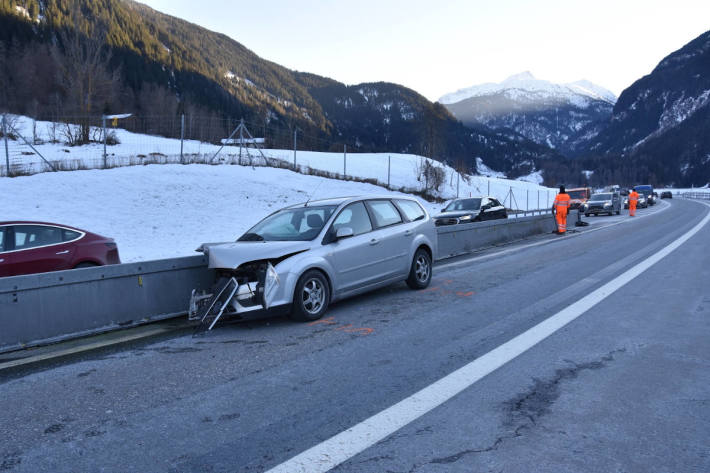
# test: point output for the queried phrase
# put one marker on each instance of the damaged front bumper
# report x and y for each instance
(238, 292)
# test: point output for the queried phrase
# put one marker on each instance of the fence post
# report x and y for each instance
(527, 198)
(345, 160)
(295, 130)
(458, 176)
(182, 137)
(538, 199)
(489, 186)
(7, 154)
(103, 124)
(389, 167)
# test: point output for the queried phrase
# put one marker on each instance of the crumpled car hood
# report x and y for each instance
(232, 255)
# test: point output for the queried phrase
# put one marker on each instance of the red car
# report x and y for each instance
(37, 247)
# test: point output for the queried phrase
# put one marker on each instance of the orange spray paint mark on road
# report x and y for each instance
(326, 321)
(349, 328)
(464, 294)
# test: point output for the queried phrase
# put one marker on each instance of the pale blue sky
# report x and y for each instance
(436, 47)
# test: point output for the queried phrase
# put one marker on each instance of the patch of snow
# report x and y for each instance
(484, 170)
(22, 11)
(229, 75)
(535, 177)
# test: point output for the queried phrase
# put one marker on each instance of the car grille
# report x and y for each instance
(596, 207)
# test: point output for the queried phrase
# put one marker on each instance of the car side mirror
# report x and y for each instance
(444, 209)
(344, 232)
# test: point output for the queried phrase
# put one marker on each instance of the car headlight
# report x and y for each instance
(607, 205)
(465, 218)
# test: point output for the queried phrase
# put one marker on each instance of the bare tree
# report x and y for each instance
(84, 73)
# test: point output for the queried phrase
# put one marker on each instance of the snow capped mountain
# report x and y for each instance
(525, 83)
(556, 115)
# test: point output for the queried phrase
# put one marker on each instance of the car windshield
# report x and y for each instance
(581, 194)
(464, 204)
(294, 224)
(601, 197)
(645, 192)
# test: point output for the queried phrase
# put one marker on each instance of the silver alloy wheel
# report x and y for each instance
(422, 269)
(313, 296)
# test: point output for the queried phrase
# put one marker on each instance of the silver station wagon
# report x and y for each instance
(300, 259)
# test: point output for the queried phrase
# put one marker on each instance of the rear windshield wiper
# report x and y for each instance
(251, 237)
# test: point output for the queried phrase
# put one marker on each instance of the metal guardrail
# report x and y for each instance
(49, 307)
(694, 195)
(454, 240)
(44, 308)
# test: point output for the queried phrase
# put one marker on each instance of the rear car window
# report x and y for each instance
(32, 236)
(69, 235)
(412, 210)
(354, 216)
(384, 213)
(2, 239)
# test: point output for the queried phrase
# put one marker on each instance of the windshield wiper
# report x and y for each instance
(251, 237)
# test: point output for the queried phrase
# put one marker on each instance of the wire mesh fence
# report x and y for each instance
(76, 143)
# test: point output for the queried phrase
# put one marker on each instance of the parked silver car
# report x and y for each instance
(606, 202)
(302, 258)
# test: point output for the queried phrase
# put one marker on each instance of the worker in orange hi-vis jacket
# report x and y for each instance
(633, 200)
(560, 207)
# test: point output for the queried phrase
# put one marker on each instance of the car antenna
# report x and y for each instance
(313, 193)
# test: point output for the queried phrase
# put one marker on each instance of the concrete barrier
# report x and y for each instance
(44, 308)
(464, 238)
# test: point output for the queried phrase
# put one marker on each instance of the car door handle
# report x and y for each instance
(408, 233)
(374, 241)
(62, 252)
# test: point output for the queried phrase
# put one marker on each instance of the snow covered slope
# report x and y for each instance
(556, 115)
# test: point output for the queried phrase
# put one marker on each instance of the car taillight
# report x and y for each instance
(111, 245)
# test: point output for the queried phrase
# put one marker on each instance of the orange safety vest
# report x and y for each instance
(633, 197)
(562, 203)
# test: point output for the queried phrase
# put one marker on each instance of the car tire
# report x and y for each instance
(618, 212)
(85, 264)
(311, 297)
(420, 271)
(586, 215)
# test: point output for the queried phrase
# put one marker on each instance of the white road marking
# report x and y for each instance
(345, 445)
(547, 242)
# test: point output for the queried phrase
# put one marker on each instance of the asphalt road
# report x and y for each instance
(623, 388)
